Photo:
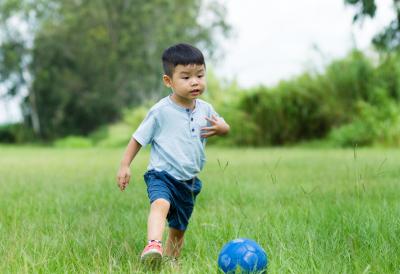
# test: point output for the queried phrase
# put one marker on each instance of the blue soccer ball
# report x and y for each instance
(243, 256)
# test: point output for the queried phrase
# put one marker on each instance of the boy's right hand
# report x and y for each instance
(123, 177)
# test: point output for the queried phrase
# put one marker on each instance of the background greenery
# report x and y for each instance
(91, 69)
(354, 101)
(83, 62)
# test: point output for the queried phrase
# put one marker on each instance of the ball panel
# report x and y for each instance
(240, 240)
(250, 247)
(248, 261)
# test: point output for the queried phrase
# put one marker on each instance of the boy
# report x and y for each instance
(177, 128)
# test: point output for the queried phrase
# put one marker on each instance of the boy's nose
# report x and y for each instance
(194, 82)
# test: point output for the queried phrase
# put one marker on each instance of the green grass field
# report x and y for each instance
(313, 211)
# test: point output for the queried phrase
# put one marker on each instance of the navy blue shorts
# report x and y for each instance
(180, 194)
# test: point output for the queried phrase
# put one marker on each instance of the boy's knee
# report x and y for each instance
(160, 203)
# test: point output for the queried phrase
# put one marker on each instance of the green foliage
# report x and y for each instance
(11, 72)
(387, 76)
(244, 131)
(387, 39)
(73, 142)
(378, 124)
(134, 116)
(7, 134)
(364, 8)
(225, 97)
(304, 108)
(290, 112)
(117, 135)
(16, 133)
(309, 106)
(354, 97)
(90, 59)
(348, 80)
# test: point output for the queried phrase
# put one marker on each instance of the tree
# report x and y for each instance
(389, 38)
(87, 60)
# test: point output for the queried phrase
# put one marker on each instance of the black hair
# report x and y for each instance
(181, 54)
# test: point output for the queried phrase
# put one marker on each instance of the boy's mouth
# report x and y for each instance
(195, 91)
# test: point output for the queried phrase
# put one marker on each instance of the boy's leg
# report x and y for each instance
(155, 228)
(157, 217)
(174, 242)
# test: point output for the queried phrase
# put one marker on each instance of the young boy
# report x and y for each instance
(177, 128)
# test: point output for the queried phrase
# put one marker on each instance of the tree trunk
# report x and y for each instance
(34, 114)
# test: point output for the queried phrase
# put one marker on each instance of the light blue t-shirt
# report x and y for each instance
(174, 134)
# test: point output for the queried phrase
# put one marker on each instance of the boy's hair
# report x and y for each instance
(181, 54)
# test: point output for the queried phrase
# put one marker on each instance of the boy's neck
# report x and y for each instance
(186, 103)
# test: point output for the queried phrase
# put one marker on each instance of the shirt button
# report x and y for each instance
(187, 110)
(191, 119)
(192, 129)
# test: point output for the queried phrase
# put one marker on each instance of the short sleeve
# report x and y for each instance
(144, 134)
(213, 112)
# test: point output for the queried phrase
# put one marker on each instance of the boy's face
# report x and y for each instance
(188, 82)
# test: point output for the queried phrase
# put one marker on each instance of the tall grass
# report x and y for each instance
(314, 211)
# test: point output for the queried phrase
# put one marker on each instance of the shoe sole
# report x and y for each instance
(151, 256)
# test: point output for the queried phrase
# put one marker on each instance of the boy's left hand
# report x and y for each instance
(218, 127)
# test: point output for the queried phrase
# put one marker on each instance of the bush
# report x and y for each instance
(118, 135)
(292, 111)
(387, 76)
(244, 132)
(7, 134)
(374, 125)
(349, 80)
(73, 142)
(16, 133)
(309, 106)
(133, 117)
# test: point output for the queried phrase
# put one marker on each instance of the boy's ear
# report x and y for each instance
(167, 80)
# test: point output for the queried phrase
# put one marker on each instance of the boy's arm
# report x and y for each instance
(124, 173)
(218, 127)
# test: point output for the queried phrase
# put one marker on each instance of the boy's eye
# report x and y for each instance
(200, 76)
(185, 77)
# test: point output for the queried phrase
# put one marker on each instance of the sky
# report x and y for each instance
(275, 40)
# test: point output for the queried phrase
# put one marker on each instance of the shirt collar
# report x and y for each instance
(181, 108)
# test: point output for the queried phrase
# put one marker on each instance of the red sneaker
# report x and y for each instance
(152, 252)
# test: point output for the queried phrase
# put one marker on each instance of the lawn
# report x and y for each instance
(313, 210)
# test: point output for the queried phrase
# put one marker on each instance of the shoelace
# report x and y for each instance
(153, 244)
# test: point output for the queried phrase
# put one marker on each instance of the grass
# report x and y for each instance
(313, 211)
